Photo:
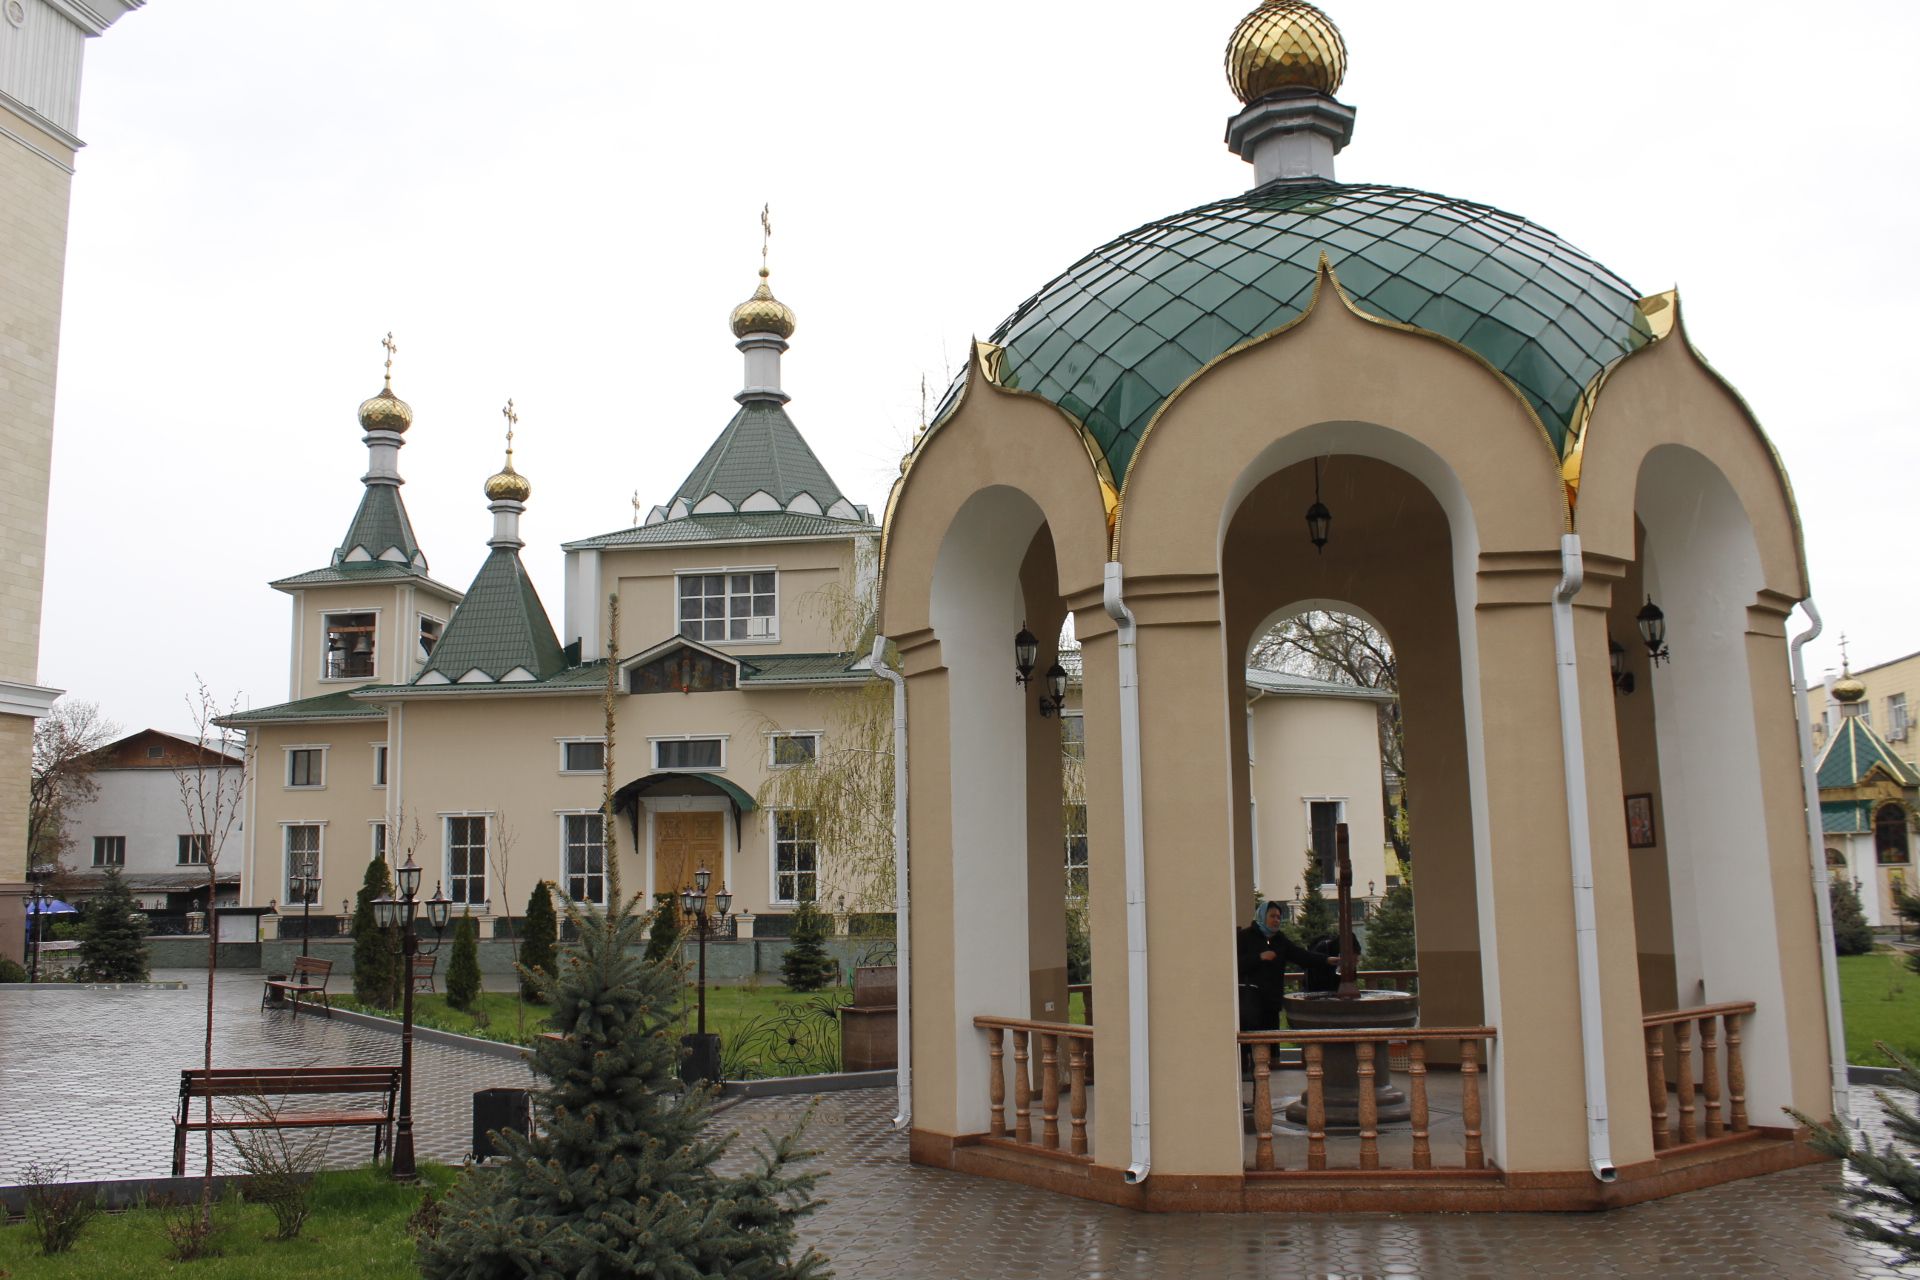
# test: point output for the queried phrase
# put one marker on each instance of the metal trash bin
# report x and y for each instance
(499, 1109)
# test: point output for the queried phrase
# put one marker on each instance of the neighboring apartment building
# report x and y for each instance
(1884, 705)
(136, 821)
(42, 44)
(460, 728)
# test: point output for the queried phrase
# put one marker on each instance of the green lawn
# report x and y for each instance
(358, 1229)
(1881, 997)
(504, 1018)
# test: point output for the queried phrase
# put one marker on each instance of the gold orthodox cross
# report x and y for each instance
(636, 508)
(391, 347)
(766, 233)
(513, 420)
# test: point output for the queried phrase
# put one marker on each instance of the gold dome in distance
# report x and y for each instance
(763, 313)
(1285, 44)
(1848, 690)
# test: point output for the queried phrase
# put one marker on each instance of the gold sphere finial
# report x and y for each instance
(1285, 44)
(1848, 690)
(386, 411)
(506, 484)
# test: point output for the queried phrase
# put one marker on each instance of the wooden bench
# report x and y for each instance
(423, 972)
(309, 982)
(263, 1083)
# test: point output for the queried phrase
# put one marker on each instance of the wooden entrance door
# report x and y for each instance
(682, 844)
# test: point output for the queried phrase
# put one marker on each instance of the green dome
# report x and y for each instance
(1115, 335)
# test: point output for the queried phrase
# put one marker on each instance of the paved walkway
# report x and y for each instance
(91, 1077)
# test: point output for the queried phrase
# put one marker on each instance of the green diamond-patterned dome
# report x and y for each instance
(1113, 337)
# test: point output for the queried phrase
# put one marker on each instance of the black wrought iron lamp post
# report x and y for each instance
(307, 882)
(703, 1058)
(398, 913)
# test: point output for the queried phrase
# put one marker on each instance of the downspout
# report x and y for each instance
(1817, 855)
(1586, 948)
(1132, 814)
(902, 950)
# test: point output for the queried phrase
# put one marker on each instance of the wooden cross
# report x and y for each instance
(1349, 954)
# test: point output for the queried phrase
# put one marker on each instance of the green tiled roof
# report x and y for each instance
(499, 626)
(1846, 817)
(801, 668)
(1115, 335)
(760, 451)
(328, 706)
(1854, 750)
(379, 526)
(741, 526)
(587, 677)
(360, 571)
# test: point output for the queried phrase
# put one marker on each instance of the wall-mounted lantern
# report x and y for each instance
(1054, 700)
(1026, 652)
(1653, 632)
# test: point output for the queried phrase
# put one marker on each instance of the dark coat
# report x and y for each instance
(1269, 977)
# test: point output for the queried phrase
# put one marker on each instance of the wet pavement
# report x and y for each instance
(91, 1078)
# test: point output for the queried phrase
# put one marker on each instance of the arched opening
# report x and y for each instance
(1700, 565)
(1890, 835)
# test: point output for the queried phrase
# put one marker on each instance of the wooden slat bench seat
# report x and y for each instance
(309, 982)
(267, 1084)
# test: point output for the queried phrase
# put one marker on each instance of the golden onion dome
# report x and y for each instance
(763, 313)
(385, 412)
(508, 485)
(1848, 690)
(1285, 44)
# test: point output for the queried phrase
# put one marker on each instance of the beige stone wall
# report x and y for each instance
(395, 634)
(1307, 748)
(644, 578)
(346, 807)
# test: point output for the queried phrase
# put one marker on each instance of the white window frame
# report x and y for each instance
(1306, 817)
(1085, 865)
(1899, 725)
(121, 848)
(775, 735)
(286, 773)
(418, 659)
(726, 571)
(596, 772)
(382, 758)
(319, 861)
(446, 859)
(653, 751)
(377, 840)
(1080, 716)
(205, 848)
(773, 861)
(565, 818)
(375, 655)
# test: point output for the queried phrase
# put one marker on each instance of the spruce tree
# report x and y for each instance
(537, 935)
(111, 946)
(1852, 936)
(806, 966)
(1886, 1199)
(463, 969)
(376, 961)
(1318, 917)
(1390, 932)
(618, 1177)
(664, 930)
(1907, 905)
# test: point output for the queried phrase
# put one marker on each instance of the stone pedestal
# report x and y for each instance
(870, 1026)
(1326, 1011)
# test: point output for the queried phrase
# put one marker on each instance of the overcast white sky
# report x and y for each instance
(559, 202)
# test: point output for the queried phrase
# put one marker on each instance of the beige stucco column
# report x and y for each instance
(1046, 833)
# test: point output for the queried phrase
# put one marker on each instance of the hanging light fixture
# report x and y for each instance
(1319, 519)
(1617, 658)
(1026, 652)
(1653, 632)
(1054, 700)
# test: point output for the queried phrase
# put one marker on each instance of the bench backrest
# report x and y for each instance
(240, 1082)
(310, 967)
(423, 965)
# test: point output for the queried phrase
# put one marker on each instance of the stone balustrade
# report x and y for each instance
(1672, 1079)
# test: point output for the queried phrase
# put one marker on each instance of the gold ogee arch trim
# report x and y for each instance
(1327, 274)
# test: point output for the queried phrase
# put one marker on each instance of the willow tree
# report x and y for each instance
(847, 785)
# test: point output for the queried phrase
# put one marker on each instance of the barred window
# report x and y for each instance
(796, 856)
(586, 858)
(467, 860)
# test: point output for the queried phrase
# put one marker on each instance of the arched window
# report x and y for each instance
(1890, 833)
(1835, 858)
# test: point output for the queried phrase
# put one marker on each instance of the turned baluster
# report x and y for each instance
(1022, 1091)
(1050, 1091)
(1417, 1083)
(1077, 1095)
(1369, 1107)
(1683, 1067)
(1710, 1074)
(996, 1082)
(1736, 1077)
(1657, 1087)
(1262, 1106)
(1316, 1109)
(1470, 1102)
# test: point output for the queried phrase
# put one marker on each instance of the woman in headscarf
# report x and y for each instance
(1265, 952)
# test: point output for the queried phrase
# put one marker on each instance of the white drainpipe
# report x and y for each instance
(903, 973)
(1586, 948)
(1132, 812)
(1817, 854)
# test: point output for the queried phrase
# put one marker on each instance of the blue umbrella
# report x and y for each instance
(52, 907)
